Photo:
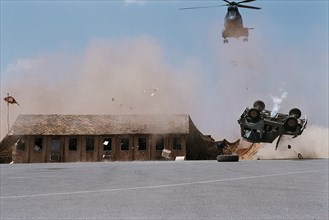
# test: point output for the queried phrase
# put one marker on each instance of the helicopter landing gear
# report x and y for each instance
(225, 41)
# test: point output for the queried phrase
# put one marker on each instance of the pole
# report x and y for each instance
(8, 113)
(9, 100)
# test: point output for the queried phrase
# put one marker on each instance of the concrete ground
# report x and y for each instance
(259, 189)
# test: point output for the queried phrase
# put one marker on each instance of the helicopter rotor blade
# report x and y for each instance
(247, 6)
(227, 2)
(238, 4)
(210, 6)
(245, 1)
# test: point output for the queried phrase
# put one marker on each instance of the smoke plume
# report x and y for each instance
(277, 102)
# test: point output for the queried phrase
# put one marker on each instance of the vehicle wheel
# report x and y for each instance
(259, 104)
(227, 158)
(254, 114)
(291, 124)
(295, 112)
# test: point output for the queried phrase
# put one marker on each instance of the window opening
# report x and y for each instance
(159, 145)
(20, 145)
(73, 144)
(124, 143)
(177, 143)
(55, 145)
(107, 144)
(141, 144)
(90, 144)
(38, 144)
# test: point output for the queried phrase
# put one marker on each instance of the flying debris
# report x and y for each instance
(10, 100)
(257, 125)
(298, 154)
(154, 91)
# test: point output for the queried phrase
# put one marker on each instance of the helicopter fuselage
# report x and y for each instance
(233, 18)
(233, 25)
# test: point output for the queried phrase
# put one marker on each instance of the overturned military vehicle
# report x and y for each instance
(261, 125)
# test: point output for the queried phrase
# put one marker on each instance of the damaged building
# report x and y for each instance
(73, 138)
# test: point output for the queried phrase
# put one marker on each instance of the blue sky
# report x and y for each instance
(287, 52)
(30, 27)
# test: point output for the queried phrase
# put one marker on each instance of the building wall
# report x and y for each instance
(41, 149)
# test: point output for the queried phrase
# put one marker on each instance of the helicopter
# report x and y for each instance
(233, 24)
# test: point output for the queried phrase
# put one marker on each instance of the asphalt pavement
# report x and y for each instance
(257, 189)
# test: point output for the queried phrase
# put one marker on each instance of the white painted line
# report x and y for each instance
(159, 186)
(28, 177)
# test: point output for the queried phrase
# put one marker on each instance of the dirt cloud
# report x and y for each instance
(313, 143)
(127, 76)
(132, 76)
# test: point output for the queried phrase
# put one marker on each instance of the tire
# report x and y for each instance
(291, 124)
(295, 112)
(254, 114)
(259, 104)
(227, 158)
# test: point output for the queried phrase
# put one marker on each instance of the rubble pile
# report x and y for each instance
(235, 148)
(249, 152)
(6, 149)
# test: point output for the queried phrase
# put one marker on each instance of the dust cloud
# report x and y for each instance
(313, 143)
(127, 76)
(132, 76)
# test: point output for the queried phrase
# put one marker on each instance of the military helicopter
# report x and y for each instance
(233, 25)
